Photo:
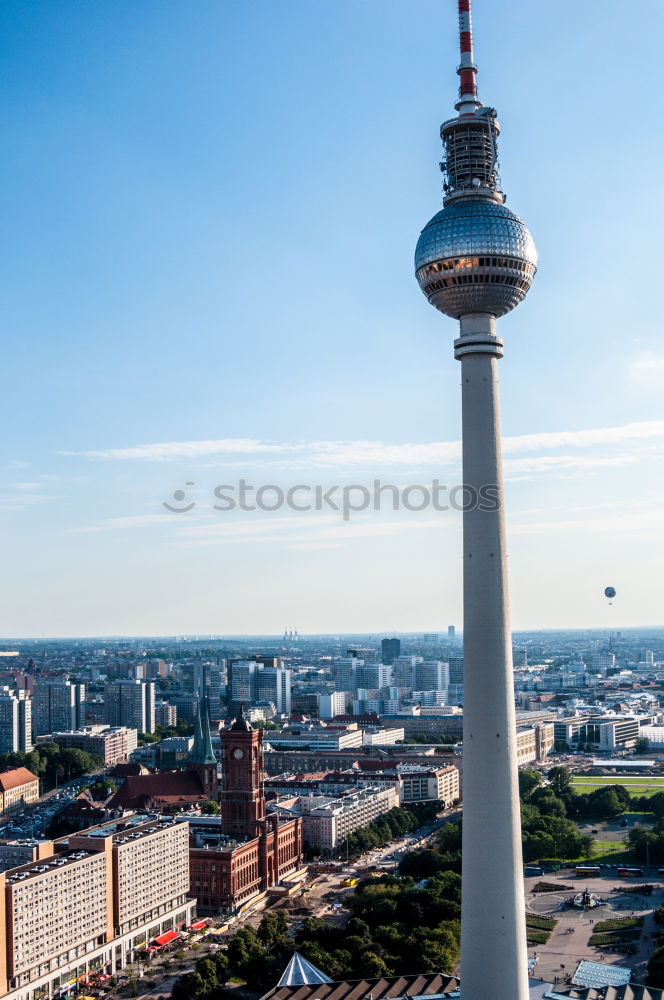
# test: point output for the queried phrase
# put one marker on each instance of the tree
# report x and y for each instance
(210, 808)
(656, 969)
(560, 780)
(548, 803)
(642, 744)
(587, 846)
(606, 801)
(528, 782)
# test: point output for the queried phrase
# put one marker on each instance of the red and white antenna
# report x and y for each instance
(467, 70)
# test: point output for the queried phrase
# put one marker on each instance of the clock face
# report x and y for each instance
(238, 754)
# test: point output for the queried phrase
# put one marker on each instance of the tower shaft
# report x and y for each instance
(493, 932)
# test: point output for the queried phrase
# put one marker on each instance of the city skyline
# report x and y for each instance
(131, 299)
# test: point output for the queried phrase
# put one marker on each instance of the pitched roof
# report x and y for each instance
(167, 786)
(299, 972)
(426, 984)
(629, 991)
(17, 776)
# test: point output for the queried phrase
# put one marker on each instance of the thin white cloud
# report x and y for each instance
(168, 451)
(131, 521)
(648, 367)
(637, 523)
(518, 467)
(371, 454)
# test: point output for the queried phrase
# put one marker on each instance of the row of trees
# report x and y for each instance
(390, 826)
(52, 763)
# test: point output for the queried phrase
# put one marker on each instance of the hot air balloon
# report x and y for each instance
(610, 592)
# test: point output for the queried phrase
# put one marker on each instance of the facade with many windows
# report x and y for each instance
(91, 904)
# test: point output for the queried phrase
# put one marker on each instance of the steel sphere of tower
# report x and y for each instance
(475, 256)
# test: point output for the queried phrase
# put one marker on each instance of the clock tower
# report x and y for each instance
(242, 796)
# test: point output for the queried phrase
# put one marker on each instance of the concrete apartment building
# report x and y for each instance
(58, 706)
(90, 905)
(327, 822)
(425, 784)
(18, 787)
(111, 745)
(15, 721)
(130, 703)
(165, 714)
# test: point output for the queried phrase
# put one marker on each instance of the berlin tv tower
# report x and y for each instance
(475, 261)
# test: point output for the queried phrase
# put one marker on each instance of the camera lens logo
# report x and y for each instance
(179, 496)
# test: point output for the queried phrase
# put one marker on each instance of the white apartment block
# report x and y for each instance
(326, 822)
(334, 704)
(425, 784)
(381, 737)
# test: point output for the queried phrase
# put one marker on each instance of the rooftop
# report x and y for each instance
(16, 777)
(31, 870)
(124, 831)
(429, 985)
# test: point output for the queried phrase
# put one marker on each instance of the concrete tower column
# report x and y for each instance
(493, 931)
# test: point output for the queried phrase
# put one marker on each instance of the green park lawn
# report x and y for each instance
(645, 785)
(607, 852)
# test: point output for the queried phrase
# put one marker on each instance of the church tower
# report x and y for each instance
(242, 795)
(202, 759)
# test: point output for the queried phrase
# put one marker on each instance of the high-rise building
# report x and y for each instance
(451, 632)
(274, 684)
(207, 680)
(404, 670)
(335, 703)
(263, 678)
(390, 649)
(15, 722)
(475, 261)
(373, 675)
(58, 706)
(344, 673)
(456, 669)
(431, 675)
(165, 714)
(130, 703)
(241, 683)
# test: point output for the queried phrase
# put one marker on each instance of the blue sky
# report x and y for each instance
(209, 214)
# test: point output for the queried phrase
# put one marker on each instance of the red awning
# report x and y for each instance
(198, 926)
(167, 938)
